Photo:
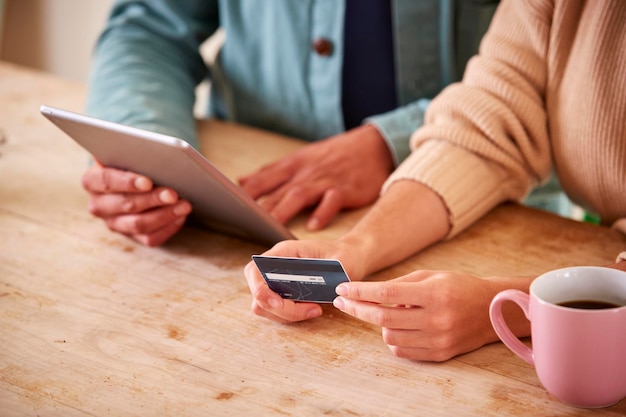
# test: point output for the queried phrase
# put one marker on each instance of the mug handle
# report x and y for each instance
(502, 330)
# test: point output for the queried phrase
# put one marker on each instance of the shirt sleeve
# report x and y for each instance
(147, 64)
(397, 126)
(485, 139)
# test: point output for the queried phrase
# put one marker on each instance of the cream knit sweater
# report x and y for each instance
(546, 91)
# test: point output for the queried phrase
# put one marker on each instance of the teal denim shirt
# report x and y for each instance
(147, 64)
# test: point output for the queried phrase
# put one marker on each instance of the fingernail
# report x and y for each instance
(313, 313)
(142, 184)
(341, 289)
(339, 303)
(167, 197)
(313, 224)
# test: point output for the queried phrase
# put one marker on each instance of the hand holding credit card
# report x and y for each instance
(302, 279)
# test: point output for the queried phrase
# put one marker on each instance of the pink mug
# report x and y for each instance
(578, 351)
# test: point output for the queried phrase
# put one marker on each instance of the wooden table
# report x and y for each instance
(92, 323)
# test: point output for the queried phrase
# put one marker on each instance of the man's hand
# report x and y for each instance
(129, 204)
(345, 171)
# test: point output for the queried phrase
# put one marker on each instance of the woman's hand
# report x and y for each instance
(425, 315)
(266, 303)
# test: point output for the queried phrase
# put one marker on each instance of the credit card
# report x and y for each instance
(302, 279)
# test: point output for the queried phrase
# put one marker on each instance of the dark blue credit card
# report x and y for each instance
(302, 279)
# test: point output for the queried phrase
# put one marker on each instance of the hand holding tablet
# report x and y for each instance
(302, 279)
(217, 202)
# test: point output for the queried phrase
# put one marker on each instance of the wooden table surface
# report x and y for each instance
(92, 323)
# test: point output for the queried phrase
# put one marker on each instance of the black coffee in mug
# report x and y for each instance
(588, 304)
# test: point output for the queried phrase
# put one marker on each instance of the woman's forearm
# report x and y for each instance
(406, 219)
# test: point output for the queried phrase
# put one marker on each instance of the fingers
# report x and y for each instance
(159, 236)
(287, 202)
(423, 354)
(331, 204)
(148, 222)
(268, 178)
(107, 205)
(389, 292)
(129, 205)
(329, 173)
(425, 315)
(268, 304)
(150, 218)
(424, 345)
(290, 200)
(98, 179)
(380, 315)
(409, 332)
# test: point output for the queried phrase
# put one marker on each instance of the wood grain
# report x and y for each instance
(92, 323)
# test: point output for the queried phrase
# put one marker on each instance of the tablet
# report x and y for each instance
(218, 203)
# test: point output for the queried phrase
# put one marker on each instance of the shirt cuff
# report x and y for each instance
(397, 126)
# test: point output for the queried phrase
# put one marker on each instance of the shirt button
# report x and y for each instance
(323, 47)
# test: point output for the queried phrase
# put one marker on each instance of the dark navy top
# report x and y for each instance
(368, 80)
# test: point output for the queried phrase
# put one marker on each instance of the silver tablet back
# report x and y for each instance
(217, 202)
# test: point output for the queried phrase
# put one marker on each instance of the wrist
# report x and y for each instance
(512, 313)
(361, 250)
(370, 133)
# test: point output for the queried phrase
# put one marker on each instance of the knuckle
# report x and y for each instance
(106, 179)
(335, 196)
(443, 345)
(388, 293)
(402, 353)
(153, 241)
(297, 192)
(293, 316)
(135, 225)
(256, 309)
(441, 355)
(258, 294)
(92, 207)
(284, 246)
(112, 224)
(395, 350)
(128, 205)
(389, 336)
(446, 295)
(86, 181)
(91, 178)
(354, 291)
(383, 318)
(443, 322)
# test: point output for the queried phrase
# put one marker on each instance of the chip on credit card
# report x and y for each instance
(302, 279)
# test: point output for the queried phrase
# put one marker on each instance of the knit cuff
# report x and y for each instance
(468, 185)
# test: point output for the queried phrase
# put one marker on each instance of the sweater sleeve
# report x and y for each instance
(485, 139)
(147, 64)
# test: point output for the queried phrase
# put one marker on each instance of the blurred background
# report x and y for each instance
(56, 36)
